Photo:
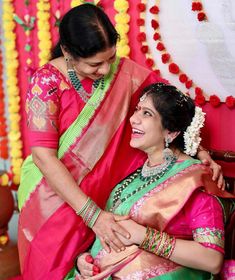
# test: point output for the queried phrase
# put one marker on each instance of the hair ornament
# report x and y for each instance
(192, 137)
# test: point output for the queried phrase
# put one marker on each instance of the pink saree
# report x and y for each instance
(95, 149)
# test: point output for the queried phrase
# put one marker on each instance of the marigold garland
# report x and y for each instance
(122, 19)
(12, 89)
(44, 34)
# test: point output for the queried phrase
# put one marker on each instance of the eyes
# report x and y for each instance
(109, 61)
(144, 111)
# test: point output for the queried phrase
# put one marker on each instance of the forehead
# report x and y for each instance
(146, 101)
(100, 56)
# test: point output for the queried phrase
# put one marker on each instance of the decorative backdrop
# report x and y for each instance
(190, 43)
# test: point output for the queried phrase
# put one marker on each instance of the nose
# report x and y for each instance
(104, 68)
(134, 119)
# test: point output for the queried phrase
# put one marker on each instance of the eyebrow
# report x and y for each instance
(146, 108)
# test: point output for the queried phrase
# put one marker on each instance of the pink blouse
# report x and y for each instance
(52, 105)
(201, 216)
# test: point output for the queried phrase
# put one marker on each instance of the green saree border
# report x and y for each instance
(30, 173)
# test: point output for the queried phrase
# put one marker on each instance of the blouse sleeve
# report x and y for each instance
(42, 108)
(206, 220)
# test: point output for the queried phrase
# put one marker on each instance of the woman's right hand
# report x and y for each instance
(105, 228)
(86, 267)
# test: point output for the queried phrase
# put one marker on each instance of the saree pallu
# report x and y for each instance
(95, 149)
(157, 206)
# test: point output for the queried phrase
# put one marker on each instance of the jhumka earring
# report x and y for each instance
(168, 154)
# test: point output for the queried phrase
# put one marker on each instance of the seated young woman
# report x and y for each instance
(176, 219)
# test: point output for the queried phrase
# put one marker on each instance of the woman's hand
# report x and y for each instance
(108, 229)
(215, 167)
(136, 230)
(86, 267)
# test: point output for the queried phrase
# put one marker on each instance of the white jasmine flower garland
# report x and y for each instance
(192, 137)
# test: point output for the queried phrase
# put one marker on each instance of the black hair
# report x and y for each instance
(175, 109)
(84, 31)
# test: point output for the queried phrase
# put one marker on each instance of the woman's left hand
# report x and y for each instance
(217, 175)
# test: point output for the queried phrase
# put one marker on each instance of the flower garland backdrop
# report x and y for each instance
(189, 43)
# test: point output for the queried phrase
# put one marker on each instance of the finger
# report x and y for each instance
(96, 269)
(115, 242)
(87, 273)
(105, 245)
(119, 229)
(221, 182)
(216, 173)
(89, 259)
(119, 218)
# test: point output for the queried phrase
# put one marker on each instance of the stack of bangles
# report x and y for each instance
(158, 242)
(89, 212)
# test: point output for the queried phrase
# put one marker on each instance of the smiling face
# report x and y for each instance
(95, 67)
(147, 132)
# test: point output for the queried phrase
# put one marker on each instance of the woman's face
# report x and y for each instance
(95, 67)
(147, 132)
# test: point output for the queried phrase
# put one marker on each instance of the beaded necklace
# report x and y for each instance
(117, 200)
(80, 89)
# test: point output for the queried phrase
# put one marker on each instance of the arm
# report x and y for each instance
(62, 182)
(186, 252)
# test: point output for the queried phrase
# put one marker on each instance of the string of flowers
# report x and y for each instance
(199, 98)
(57, 14)
(149, 61)
(122, 19)
(3, 125)
(27, 23)
(198, 7)
(44, 34)
(12, 90)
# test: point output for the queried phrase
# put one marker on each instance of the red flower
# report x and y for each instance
(141, 7)
(196, 6)
(201, 16)
(160, 46)
(174, 68)
(198, 90)
(141, 37)
(189, 84)
(140, 21)
(144, 49)
(149, 62)
(156, 36)
(200, 99)
(230, 102)
(183, 78)
(154, 24)
(214, 100)
(165, 58)
(154, 10)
